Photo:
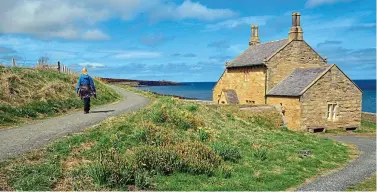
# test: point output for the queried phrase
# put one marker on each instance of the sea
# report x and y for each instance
(203, 91)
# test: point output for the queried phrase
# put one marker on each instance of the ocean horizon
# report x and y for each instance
(203, 91)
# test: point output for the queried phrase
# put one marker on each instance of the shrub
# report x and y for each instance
(160, 115)
(226, 171)
(227, 152)
(197, 158)
(230, 116)
(140, 135)
(260, 154)
(162, 160)
(143, 179)
(99, 174)
(203, 136)
(192, 107)
(152, 134)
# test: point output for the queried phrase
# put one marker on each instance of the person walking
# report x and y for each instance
(85, 89)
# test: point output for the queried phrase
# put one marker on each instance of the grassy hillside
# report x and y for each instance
(177, 145)
(27, 94)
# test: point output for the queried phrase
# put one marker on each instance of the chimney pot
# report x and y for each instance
(298, 18)
(295, 32)
(294, 19)
(254, 39)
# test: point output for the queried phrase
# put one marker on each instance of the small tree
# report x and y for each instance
(43, 60)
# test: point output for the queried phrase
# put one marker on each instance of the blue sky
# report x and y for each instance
(182, 40)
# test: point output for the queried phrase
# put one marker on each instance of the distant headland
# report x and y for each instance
(136, 83)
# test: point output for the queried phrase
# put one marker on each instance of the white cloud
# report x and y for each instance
(136, 54)
(92, 65)
(315, 3)
(71, 19)
(190, 10)
(95, 35)
(233, 23)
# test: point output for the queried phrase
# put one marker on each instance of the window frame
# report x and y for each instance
(332, 111)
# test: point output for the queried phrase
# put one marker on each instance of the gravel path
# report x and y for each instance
(355, 172)
(19, 140)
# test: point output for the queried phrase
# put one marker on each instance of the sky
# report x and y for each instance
(180, 40)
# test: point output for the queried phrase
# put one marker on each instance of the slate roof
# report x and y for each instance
(231, 96)
(296, 82)
(255, 55)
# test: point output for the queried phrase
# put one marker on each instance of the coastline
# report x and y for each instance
(137, 83)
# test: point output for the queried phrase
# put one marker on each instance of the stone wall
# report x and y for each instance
(252, 90)
(297, 54)
(292, 109)
(333, 87)
(370, 117)
(223, 99)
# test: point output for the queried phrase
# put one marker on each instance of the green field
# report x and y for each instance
(177, 145)
(29, 94)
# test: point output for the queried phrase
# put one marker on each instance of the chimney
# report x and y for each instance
(254, 40)
(296, 32)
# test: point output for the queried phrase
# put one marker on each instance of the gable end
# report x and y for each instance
(319, 77)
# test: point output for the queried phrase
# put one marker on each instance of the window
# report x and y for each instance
(329, 109)
(335, 109)
(332, 111)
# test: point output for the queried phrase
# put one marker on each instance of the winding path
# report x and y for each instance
(19, 140)
(355, 172)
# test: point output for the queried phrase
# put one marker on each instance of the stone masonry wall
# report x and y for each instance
(252, 90)
(370, 117)
(297, 54)
(292, 109)
(333, 87)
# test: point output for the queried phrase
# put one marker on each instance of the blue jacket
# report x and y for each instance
(85, 80)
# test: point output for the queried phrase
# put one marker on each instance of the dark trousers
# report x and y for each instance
(86, 104)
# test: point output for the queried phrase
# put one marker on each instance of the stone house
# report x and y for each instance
(290, 73)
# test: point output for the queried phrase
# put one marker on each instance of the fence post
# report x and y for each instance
(59, 66)
(13, 63)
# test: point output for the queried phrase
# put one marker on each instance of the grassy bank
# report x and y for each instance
(177, 145)
(366, 128)
(29, 94)
(367, 185)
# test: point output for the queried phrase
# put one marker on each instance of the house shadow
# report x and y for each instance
(107, 111)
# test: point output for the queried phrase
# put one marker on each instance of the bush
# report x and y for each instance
(203, 136)
(197, 158)
(192, 107)
(152, 134)
(227, 152)
(143, 179)
(230, 116)
(174, 116)
(112, 169)
(226, 171)
(160, 159)
(260, 154)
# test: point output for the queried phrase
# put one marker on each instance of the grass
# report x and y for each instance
(177, 145)
(367, 185)
(366, 128)
(30, 94)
